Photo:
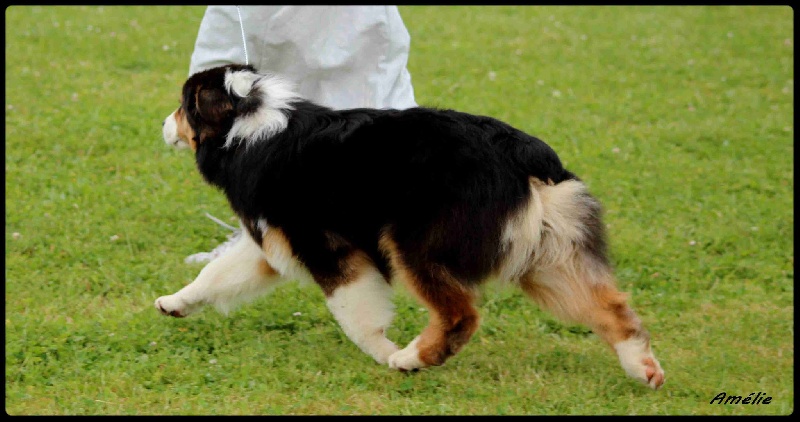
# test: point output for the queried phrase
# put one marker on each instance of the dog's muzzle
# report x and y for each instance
(169, 128)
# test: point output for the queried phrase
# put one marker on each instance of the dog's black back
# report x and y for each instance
(441, 182)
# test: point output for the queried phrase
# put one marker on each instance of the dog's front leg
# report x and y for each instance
(363, 307)
(240, 275)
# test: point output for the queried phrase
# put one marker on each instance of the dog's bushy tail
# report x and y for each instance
(560, 223)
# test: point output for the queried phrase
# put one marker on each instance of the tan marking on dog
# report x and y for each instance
(185, 131)
(351, 267)
(265, 269)
(274, 241)
(280, 256)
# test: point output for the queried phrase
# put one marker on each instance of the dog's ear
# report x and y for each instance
(213, 104)
(241, 85)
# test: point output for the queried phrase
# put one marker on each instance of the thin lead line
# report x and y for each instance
(244, 43)
(220, 222)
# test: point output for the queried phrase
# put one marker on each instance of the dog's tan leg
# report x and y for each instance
(581, 291)
(363, 308)
(453, 317)
(240, 275)
(453, 320)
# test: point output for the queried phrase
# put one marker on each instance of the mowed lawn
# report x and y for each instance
(679, 119)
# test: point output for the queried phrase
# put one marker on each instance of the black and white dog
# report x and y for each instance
(437, 200)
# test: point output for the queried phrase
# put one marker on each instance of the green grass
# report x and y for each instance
(680, 119)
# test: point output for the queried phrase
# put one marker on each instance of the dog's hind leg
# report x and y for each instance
(568, 273)
(240, 275)
(584, 292)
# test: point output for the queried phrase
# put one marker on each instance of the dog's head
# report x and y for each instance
(227, 105)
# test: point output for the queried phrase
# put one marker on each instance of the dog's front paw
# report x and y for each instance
(407, 359)
(173, 306)
(384, 350)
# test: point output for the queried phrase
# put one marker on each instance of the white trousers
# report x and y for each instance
(338, 56)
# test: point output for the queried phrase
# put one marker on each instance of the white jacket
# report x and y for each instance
(338, 56)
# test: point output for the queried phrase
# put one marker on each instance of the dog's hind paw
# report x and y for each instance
(653, 372)
(638, 361)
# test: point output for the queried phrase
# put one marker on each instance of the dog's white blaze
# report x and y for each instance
(271, 118)
(364, 310)
(170, 132)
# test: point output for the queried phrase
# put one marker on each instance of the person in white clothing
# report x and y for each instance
(337, 56)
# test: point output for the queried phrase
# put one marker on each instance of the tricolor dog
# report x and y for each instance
(436, 200)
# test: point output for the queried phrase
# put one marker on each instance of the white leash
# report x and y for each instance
(221, 223)
(233, 237)
(244, 42)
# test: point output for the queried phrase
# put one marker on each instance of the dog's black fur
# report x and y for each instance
(442, 183)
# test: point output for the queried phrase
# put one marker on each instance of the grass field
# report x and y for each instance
(679, 119)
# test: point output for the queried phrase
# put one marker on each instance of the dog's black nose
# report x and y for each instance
(163, 123)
